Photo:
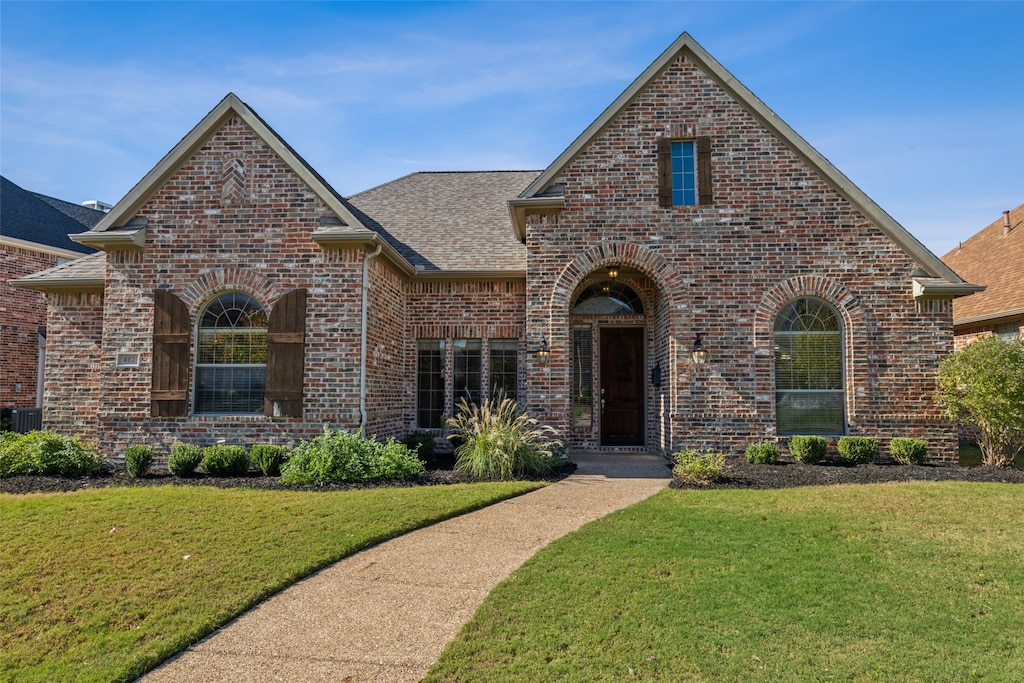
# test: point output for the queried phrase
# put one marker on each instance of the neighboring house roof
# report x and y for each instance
(84, 274)
(83, 214)
(31, 220)
(993, 257)
(449, 221)
(942, 282)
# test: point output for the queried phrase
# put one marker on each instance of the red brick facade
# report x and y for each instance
(23, 313)
(235, 215)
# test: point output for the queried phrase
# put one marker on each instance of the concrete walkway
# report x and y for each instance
(385, 614)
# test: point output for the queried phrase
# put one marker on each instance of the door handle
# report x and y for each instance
(602, 406)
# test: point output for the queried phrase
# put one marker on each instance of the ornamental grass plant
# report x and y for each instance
(497, 440)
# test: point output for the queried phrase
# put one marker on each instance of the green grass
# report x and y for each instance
(104, 584)
(900, 582)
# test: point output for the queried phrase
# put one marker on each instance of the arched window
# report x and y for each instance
(231, 356)
(809, 396)
(608, 297)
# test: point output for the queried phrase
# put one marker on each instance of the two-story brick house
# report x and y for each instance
(689, 271)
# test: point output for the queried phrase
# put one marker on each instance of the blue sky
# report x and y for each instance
(921, 104)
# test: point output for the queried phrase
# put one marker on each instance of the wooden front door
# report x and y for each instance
(622, 386)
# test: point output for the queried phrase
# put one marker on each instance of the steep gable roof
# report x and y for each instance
(456, 222)
(118, 218)
(539, 192)
(995, 258)
(31, 219)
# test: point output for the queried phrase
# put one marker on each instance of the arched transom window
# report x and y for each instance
(608, 297)
(231, 356)
(809, 395)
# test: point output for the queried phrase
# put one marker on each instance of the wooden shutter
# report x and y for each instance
(286, 346)
(171, 358)
(704, 170)
(664, 173)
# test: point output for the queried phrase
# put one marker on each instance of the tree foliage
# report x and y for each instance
(982, 386)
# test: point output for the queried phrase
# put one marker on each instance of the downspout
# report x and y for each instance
(362, 346)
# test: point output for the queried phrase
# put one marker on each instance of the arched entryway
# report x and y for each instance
(609, 320)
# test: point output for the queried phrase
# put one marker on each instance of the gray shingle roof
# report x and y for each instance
(30, 217)
(83, 214)
(83, 273)
(449, 220)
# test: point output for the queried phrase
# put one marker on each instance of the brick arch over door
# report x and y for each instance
(666, 278)
(855, 337)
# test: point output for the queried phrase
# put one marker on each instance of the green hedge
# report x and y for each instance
(808, 449)
(857, 449)
(47, 453)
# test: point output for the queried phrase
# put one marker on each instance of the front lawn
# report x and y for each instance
(101, 585)
(919, 581)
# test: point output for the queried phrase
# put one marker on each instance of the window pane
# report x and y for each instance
(467, 370)
(231, 356)
(230, 389)
(430, 383)
(504, 367)
(582, 376)
(809, 369)
(809, 412)
(684, 173)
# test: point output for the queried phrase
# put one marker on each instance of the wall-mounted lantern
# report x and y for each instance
(700, 354)
(543, 353)
(613, 272)
(656, 375)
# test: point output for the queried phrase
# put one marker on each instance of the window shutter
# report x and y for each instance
(664, 172)
(704, 170)
(171, 363)
(286, 345)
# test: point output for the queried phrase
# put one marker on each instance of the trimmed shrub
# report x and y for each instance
(341, 457)
(47, 453)
(857, 449)
(223, 460)
(699, 467)
(421, 444)
(808, 449)
(496, 440)
(908, 451)
(137, 460)
(184, 458)
(763, 452)
(269, 458)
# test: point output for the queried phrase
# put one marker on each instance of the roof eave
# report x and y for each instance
(989, 317)
(521, 207)
(362, 239)
(113, 240)
(470, 275)
(936, 288)
(40, 248)
(77, 285)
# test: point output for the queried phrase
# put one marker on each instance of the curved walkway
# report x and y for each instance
(386, 613)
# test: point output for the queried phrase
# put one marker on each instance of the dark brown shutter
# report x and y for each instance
(704, 170)
(171, 362)
(664, 173)
(286, 345)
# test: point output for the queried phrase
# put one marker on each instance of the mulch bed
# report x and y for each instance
(790, 473)
(117, 476)
(742, 475)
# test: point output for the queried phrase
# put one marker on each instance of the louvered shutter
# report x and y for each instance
(286, 345)
(704, 170)
(664, 173)
(171, 360)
